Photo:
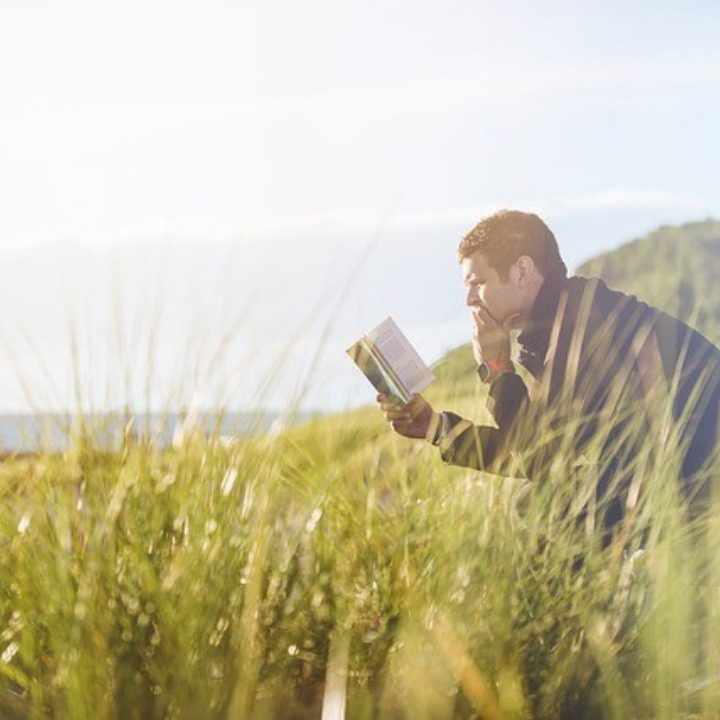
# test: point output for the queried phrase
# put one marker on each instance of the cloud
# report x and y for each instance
(629, 199)
(324, 227)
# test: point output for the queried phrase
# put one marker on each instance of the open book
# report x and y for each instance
(390, 362)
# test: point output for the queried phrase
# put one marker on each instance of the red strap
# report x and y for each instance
(498, 366)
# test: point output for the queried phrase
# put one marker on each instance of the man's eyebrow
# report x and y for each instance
(471, 278)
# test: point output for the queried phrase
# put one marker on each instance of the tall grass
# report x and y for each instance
(213, 580)
(337, 570)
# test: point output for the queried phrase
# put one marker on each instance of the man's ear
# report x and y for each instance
(523, 270)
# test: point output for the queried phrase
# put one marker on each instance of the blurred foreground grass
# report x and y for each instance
(336, 568)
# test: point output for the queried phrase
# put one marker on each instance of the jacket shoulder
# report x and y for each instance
(591, 301)
(678, 341)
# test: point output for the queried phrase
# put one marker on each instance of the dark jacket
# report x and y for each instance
(603, 365)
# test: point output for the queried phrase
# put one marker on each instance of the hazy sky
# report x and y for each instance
(291, 135)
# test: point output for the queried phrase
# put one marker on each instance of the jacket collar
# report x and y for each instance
(535, 337)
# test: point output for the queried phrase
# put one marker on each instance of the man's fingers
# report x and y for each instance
(400, 426)
(482, 315)
(398, 414)
(402, 417)
(388, 402)
(481, 318)
(484, 325)
(393, 409)
(415, 404)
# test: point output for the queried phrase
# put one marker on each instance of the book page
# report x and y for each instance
(376, 370)
(401, 356)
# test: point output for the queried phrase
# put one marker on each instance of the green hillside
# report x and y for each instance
(674, 268)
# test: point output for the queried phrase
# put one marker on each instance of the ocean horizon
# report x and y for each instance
(53, 432)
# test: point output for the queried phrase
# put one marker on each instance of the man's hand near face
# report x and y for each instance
(491, 340)
(416, 419)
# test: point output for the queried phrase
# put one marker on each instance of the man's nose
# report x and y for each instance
(472, 297)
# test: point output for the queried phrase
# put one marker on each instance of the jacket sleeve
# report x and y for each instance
(483, 447)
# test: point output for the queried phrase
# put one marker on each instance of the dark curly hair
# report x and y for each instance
(506, 235)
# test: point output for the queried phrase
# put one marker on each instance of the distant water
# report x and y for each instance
(27, 433)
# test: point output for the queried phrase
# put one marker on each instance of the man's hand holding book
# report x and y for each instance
(415, 419)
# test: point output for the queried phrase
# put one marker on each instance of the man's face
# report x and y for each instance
(501, 298)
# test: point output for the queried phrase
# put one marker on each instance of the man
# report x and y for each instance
(604, 371)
